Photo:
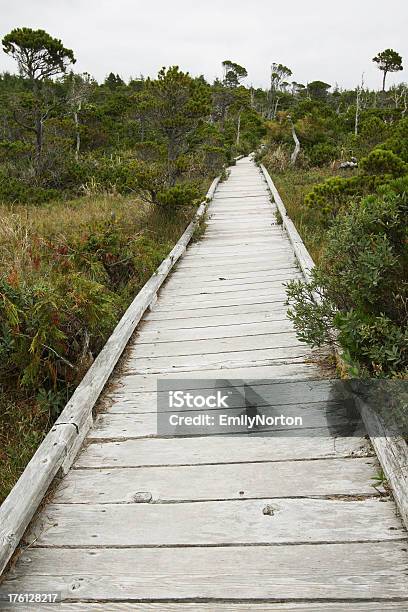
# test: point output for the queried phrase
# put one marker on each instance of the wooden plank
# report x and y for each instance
(213, 321)
(222, 606)
(241, 222)
(261, 224)
(265, 271)
(239, 212)
(239, 265)
(292, 521)
(148, 382)
(272, 394)
(139, 425)
(153, 335)
(226, 360)
(223, 287)
(277, 307)
(229, 249)
(220, 482)
(216, 345)
(240, 299)
(182, 276)
(266, 573)
(242, 193)
(236, 261)
(225, 284)
(217, 450)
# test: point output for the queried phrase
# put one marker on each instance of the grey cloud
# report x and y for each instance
(317, 39)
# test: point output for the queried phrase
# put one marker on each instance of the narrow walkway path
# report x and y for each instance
(237, 523)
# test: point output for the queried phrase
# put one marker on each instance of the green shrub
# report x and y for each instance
(329, 197)
(372, 130)
(150, 179)
(179, 195)
(335, 194)
(398, 140)
(362, 287)
(381, 161)
(322, 153)
(14, 150)
(13, 190)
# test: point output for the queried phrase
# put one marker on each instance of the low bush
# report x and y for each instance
(378, 168)
(179, 195)
(381, 161)
(322, 153)
(328, 198)
(397, 142)
(13, 190)
(359, 290)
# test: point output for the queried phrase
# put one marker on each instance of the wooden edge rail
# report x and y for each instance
(390, 447)
(306, 263)
(60, 446)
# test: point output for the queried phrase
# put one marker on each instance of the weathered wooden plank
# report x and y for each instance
(273, 394)
(217, 450)
(328, 417)
(222, 286)
(181, 277)
(240, 222)
(287, 521)
(239, 265)
(148, 382)
(154, 335)
(241, 193)
(216, 345)
(235, 212)
(225, 482)
(222, 606)
(206, 302)
(222, 250)
(355, 571)
(276, 257)
(226, 360)
(242, 272)
(273, 307)
(213, 321)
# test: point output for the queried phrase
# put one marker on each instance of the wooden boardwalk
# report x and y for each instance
(235, 523)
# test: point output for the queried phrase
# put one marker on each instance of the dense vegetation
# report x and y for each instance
(347, 192)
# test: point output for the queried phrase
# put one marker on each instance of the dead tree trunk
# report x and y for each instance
(77, 131)
(296, 150)
(238, 127)
(357, 117)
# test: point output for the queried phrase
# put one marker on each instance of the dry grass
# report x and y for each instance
(21, 225)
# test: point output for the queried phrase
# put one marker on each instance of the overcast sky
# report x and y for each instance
(317, 39)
